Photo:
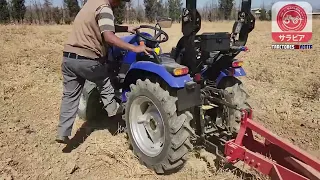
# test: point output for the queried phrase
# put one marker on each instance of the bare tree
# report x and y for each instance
(210, 11)
(47, 10)
(37, 11)
(29, 14)
(225, 7)
(57, 15)
(131, 13)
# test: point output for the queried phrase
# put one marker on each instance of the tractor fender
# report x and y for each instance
(160, 70)
(225, 73)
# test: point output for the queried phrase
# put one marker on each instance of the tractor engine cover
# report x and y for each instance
(214, 41)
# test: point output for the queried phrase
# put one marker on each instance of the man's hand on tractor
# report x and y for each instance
(132, 29)
(112, 39)
(141, 48)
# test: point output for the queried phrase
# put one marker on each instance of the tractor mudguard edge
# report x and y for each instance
(189, 96)
(237, 73)
(188, 91)
(174, 82)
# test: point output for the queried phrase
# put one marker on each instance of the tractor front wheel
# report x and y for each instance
(90, 106)
(159, 137)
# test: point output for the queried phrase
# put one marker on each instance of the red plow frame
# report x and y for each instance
(285, 162)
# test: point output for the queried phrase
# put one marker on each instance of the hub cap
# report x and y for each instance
(147, 127)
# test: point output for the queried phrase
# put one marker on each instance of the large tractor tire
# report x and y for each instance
(90, 105)
(159, 137)
(236, 96)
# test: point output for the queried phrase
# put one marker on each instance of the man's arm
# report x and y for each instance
(105, 20)
(112, 39)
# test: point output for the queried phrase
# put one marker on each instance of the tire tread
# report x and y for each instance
(180, 129)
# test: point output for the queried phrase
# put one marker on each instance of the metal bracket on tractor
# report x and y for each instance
(275, 157)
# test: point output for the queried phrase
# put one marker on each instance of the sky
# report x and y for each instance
(200, 3)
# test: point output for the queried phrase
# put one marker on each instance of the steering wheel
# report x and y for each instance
(155, 38)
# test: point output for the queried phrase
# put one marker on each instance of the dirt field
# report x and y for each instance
(284, 87)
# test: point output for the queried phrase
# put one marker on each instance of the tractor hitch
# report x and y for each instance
(207, 95)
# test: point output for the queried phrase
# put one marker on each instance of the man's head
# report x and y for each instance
(116, 3)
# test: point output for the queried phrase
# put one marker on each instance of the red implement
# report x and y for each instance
(275, 157)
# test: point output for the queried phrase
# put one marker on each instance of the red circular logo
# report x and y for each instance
(292, 17)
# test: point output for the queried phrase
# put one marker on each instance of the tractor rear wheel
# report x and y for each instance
(158, 136)
(236, 96)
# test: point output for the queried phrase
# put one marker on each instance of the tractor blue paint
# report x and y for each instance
(130, 58)
(239, 72)
(175, 82)
(124, 97)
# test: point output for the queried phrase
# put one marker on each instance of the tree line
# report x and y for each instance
(34, 12)
(227, 10)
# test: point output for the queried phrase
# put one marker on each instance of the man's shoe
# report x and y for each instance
(62, 139)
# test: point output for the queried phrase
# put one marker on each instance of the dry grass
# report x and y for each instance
(284, 88)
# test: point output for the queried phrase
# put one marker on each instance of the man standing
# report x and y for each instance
(84, 58)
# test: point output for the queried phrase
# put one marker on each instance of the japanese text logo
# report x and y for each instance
(291, 21)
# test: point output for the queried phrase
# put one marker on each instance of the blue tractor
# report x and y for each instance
(174, 101)
(157, 93)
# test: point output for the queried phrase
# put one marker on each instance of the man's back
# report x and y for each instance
(85, 38)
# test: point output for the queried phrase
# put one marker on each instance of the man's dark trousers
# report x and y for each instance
(75, 72)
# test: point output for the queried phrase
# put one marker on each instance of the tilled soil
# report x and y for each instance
(284, 88)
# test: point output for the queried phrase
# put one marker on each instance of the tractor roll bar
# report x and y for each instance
(245, 23)
(191, 24)
(191, 21)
